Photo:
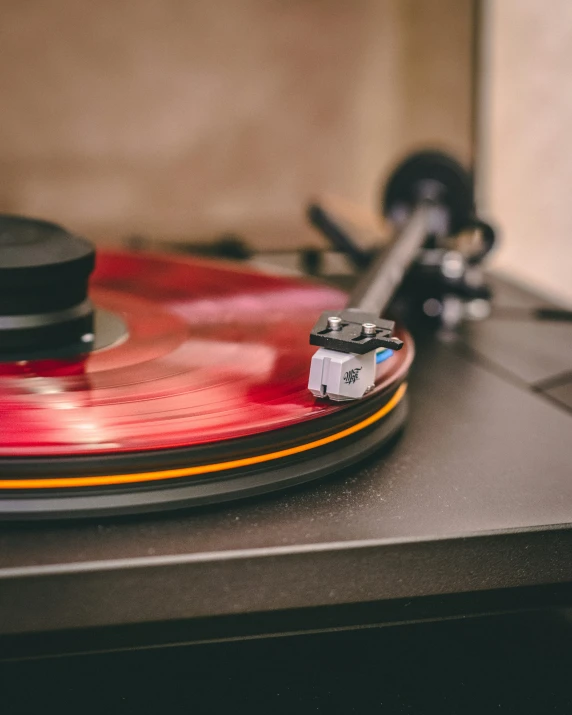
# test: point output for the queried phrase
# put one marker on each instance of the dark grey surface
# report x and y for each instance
(477, 495)
(516, 345)
(531, 352)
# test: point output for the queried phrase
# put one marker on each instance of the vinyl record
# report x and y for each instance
(196, 391)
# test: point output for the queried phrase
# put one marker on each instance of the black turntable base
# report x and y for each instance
(470, 511)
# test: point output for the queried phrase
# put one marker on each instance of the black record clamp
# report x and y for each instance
(44, 274)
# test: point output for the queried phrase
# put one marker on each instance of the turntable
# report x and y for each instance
(172, 382)
(165, 382)
(176, 382)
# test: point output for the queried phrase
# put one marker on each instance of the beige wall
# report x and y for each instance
(526, 163)
(183, 118)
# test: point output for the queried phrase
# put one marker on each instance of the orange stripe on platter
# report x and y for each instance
(115, 479)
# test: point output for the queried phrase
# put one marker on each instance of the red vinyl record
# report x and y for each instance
(211, 352)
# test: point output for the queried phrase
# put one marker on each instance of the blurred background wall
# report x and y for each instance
(188, 118)
(525, 148)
